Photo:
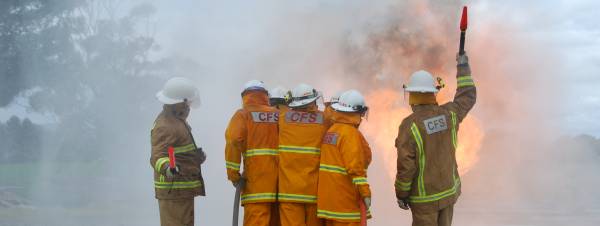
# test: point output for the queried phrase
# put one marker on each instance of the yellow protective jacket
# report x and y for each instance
(427, 139)
(171, 130)
(345, 157)
(252, 136)
(300, 135)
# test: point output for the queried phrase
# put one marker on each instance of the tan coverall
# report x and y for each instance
(176, 194)
(252, 135)
(427, 173)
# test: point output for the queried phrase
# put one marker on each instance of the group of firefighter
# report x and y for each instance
(299, 166)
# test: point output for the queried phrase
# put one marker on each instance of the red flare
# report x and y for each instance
(463, 20)
(172, 162)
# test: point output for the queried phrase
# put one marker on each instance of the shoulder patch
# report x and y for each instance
(436, 124)
(304, 117)
(330, 138)
(268, 117)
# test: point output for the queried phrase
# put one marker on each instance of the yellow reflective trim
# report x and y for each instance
(421, 153)
(232, 165)
(464, 78)
(158, 165)
(258, 197)
(338, 215)
(260, 151)
(359, 180)
(465, 84)
(299, 149)
(185, 148)
(454, 134)
(403, 186)
(297, 198)
(177, 184)
(437, 196)
(333, 169)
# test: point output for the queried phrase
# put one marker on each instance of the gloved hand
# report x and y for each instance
(170, 173)
(462, 59)
(367, 201)
(403, 204)
(240, 182)
(201, 155)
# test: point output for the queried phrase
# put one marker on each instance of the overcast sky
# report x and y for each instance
(570, 27)
(212, 32)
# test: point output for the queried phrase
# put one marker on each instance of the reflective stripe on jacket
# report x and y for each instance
(345, 156)
(252, 136)
(427, 139)
(300, 135)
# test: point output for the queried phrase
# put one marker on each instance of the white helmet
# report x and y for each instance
(302, 95)
(336, 97)
(351, 101)
(253, 85)
(278, 92)
(178, 90)
(421, 82)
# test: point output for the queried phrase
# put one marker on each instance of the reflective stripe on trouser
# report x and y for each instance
(422, 196)
(299, 214)
(176, 212)
(177, 184)
(442, 217)
(346, 216)
(339, 223)
(283, 197)
(257, 214)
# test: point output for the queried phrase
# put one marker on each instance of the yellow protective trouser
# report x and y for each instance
(258, 214)
(177, 212)
(299, 214)
(339, 223)
(442, 217)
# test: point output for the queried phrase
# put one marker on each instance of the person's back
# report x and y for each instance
(427, 176)
(252, 136)
(301, 130)
(345, 157)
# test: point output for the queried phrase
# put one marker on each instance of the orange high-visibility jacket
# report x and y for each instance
(345, 156)
(252, 135)
(300, 135)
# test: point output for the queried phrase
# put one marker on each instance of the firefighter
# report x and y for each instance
(427, 179)
(344, 160)
(252, 136)
(328, 110)
(301, 130)
(279, 98)
(175, 189)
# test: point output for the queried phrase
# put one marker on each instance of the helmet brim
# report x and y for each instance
(166, 100)
(194, 101)
(339, 107)
(421, 89)
(300, 103)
